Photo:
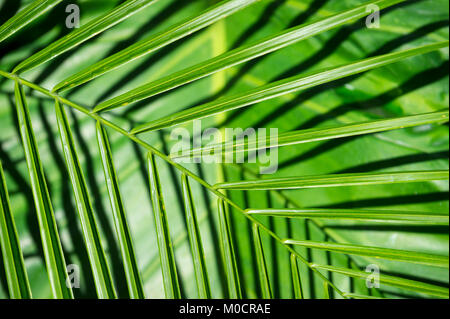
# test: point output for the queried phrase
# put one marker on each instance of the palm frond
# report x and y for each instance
(234, 286)
(241, 55)
(16, 274)
(51, 243)
(270, 91)
(134, 282)
(195, 239)
(394, 281)
(154, 42)
(97, 258)
(84, 33)
(376, 252)
(262, 266)
(359, 296)
(336, 180)
(169, 269)
(334, 17)
(26, 16)
(389, 216)
(296, 281)
(326, 291)
(315, 135)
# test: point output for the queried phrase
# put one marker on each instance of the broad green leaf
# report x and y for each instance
(315, 135)
(51, 243)
(394, 281)
(195, 239)
(97, 258)
(336, 180)
(167, 259)
(234, 286)
(376, 252)
(91, 29)
(26, 16)
(155, 42)
(232, 58)
(135, 288)
(423, 218)
(15, 272)
(272, 90)
(262, 267)
(296, 282)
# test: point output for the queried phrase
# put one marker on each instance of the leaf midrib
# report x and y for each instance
(167, 159)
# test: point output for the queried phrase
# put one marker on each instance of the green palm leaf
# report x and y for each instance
(391, 281)
(326, 291)
(296, 281)
(54, 257)
(386, 253)
(241, 55)
(153, 43)
(16, 275)
(356, 214)
(97, 257)
(247, 46)
(201, 273)
(271, 90)
(169, 270)
(262, 267)
(26, 16)
(359, 296)
(336, 180)
(234, 286)
(315, 135)
(135, 287)
(84, 33)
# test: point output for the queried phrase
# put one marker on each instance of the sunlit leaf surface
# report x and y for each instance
(360, 177)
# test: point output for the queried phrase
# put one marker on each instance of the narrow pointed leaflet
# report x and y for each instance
(195, 239)
(336, 180)
(240, 55)
(51, 243)
(274, 89)
(97, 258)
(262, 266)
(326, 290)
(33, 11)
(234, 286)
(14, 266)
(257, 143)
(375, 252)
(86, 32)
(296, 282)
(167, 258)
(154, 42)
(134, 283)
(388, 216)
(394, 281)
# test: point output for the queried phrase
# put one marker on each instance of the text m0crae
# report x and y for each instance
(246, 308)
